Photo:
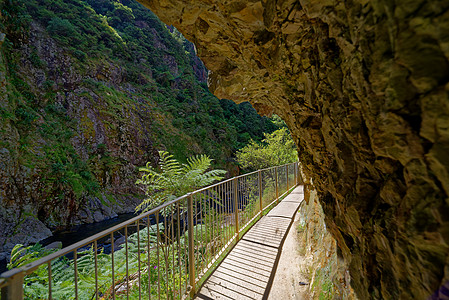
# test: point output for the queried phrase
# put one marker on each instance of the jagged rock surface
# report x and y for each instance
(363, 86)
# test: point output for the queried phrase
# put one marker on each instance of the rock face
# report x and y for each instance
(115, 145)
(363, 86)
(328, 275)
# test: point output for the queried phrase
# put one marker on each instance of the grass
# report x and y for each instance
(323, 284)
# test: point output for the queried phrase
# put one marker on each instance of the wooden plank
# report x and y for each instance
(230, 264)
(296, 198)
(254, 256)
(242, 272)
(250, 245)
(237, 283)
(232, 275)
(268, 231)
(250, 252)
(274, 236)
(270, 222)
(252, 259)
(216, 290)
(268, 228)
(242, 262)
(298, 190)
(265, 241)
(284, 209)
(263, 250)
(268, 234)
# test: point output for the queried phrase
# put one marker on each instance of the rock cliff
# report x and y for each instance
(363, 86)
(69, 157)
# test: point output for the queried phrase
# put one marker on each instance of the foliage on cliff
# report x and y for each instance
(89, 90)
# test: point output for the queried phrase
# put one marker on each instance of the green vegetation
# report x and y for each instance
(21, 256)
(153, 268)
(276, 149)
(175, 179)
(157, 60)
(111, 60)
(323, 285)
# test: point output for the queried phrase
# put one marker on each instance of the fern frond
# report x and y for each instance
(200, 162)
(16, 252)
(175, 179)
(24, 255)
(168, 163)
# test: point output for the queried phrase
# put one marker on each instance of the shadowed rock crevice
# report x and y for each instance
(363, 87)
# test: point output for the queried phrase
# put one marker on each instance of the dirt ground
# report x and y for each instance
(291, 280)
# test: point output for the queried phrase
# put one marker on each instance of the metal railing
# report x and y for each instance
(167, 252)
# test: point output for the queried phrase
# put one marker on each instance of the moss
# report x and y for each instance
(87, 127)
(111, 198)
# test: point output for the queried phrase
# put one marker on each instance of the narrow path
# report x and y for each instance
(248, 270)
(292, 273)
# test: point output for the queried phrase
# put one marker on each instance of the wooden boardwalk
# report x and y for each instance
(248, 270)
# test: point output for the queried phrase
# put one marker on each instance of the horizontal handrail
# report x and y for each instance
(235, 177)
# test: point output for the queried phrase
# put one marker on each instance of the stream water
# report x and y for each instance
(77, 233)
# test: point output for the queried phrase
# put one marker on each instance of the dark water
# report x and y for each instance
(80, 232)
(77, 233)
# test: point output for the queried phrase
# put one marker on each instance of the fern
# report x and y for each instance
(154, 266)
(175, 179)
(21, 255)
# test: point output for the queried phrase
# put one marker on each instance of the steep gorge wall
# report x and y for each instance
(363, 86)
(76, 126)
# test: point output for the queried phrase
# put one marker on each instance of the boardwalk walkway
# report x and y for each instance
(248, 270)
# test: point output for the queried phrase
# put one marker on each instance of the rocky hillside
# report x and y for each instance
(363, 87)
(90, 90)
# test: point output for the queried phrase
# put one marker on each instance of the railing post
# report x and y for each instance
(236, 208)
(294, 171)
(14, 291)
(286, 174)
(276, 183)
(191, 244)
(260, 192)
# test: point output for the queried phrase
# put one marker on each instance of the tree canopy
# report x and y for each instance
(276, 148)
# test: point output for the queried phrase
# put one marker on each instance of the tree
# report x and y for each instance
(175, 179)
(277, 148)
(61, 27)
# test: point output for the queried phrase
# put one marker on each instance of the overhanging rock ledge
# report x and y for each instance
(363, 87)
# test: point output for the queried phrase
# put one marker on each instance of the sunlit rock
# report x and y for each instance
(363, 88)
